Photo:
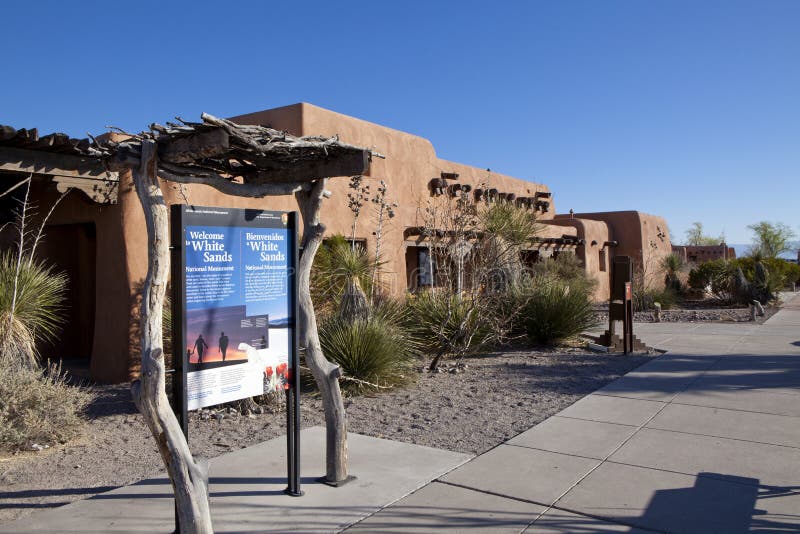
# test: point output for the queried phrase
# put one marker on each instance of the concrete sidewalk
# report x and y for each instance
(247, 496)
(705, 439)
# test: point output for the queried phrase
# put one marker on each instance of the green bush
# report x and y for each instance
(375, 353)
(792, 273)
(557, 310)
(38, 406)
(704, 275)
(780, 273)
(720, 277)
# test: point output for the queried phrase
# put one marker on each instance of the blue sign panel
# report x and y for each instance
(237, 303)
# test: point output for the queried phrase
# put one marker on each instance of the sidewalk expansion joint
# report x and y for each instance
(673, 431)
(732, 409)
(595, 420)
(560, 453)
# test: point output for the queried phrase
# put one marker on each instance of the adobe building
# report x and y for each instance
(97, 232)
(702, 253)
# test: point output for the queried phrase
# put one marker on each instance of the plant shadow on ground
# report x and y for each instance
(111, 400)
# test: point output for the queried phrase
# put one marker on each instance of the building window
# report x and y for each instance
(420, 268)
(425, 267)
(602, 259)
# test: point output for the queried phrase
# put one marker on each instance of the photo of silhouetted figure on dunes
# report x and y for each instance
(223, 345)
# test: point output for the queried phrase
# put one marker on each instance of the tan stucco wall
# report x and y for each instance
(592, 253)
(643, 237)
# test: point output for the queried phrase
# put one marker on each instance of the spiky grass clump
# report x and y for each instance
(557, 310)
(337, 264)
(566, 267)
(38, 406)
(509, 222)
(375, 353)
(450, 324)
(31, 297)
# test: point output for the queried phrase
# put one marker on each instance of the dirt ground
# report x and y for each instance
(468, 408)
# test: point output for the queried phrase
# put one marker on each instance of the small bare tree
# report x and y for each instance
(474, 254)
(384, 211)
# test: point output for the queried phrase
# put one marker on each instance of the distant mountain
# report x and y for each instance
(283, 322)
(744, 250)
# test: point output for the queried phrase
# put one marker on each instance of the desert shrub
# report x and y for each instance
(704, 275)
(792, 273)
(779, 272)
(557, 310)
(760, 278)
(720, 280)
(451, 324)
(375, 353)
(38, 406)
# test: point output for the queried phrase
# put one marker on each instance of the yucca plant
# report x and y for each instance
(31, 297)
(375, 353)
(513, 224)
(35, 404)
(673, 265)
(557, 310)
(338, 267)
(452, 325)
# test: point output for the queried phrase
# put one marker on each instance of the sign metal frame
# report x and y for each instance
(183, 216)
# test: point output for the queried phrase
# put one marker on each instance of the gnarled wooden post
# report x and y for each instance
(325, 373)
(189, 478)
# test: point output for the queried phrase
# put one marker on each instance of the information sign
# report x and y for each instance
(236, 297)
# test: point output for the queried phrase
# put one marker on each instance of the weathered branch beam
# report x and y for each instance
(325, 373)
(189, 478)
(193, 147)
(260, 168)
(223, 185)
(348, 164)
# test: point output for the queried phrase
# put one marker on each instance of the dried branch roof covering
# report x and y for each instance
(256, 154)
(59, 143)
(214, 149)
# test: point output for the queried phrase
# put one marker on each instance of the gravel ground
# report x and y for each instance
(470, 407)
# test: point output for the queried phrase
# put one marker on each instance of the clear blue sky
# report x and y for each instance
(686, 109)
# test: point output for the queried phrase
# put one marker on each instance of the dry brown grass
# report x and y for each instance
(39, 406)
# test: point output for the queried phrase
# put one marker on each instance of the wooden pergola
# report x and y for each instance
(238, 160)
